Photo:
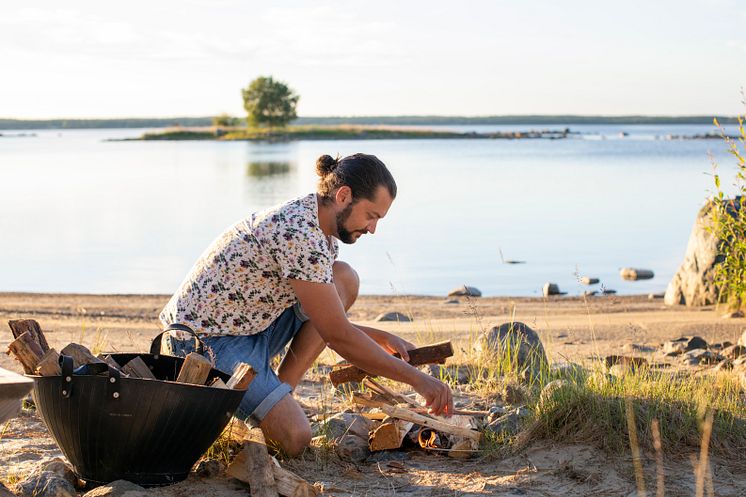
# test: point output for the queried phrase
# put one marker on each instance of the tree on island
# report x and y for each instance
(225, 121)
(269, 102)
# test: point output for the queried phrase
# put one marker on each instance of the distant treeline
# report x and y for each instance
(367, 120)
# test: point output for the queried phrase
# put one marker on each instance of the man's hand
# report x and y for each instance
(438, 396)
(395, 345)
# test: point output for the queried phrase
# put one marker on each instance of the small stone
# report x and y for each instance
(733, 352)
(700, 356)
(393, 316)
(45, 484)
(656, 296)
(352, 448)
(343, 423)
(608, 291)
(551, 289)
(513, 394)
(451, 301)
(61, 469)
(208, 468)
(725, 365)
(462, 375)
(118, 488)
(508, 424)
(465, 291)
(733, 315)
(634, 274)
(587, 280)
(684, 344)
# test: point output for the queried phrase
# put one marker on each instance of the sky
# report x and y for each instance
(191, 58)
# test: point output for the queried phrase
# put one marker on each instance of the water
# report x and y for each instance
(80, 214)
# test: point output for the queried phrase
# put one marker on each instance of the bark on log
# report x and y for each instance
(80, 354)
(27, 350)
(49, 365)
(195, 369)
(136, 368)
(431, 354)
(254, 466)
(242, 377)
(20, 326)
(389, 435)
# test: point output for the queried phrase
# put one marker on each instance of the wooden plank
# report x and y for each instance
(195, 369)
(254, 466)
(20, 326)
(49, 365)
(242, 377)
(27, 350)
(136, 368)
(389, 435)
(430, 354)
(80, 354)
(13, 387)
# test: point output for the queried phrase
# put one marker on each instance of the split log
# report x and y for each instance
(431, 354)
(49, 365)
(195, 369)
(218, 383)
(20, 326)
(136, 368)
(254, 466)
(288, 483)
(389, 435)
(80, 354)
(27, 350)
(242, 377)
(369, 401)
(410, 415)
(108, 359)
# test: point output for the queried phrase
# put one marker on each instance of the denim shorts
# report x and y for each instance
(227, 352)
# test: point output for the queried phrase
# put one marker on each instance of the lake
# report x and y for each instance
(81, 214)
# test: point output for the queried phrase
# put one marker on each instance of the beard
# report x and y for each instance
(345, 235)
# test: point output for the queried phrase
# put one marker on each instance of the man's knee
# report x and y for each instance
(347, 282)
(297, 439)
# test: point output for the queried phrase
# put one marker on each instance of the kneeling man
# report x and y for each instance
(273, 279)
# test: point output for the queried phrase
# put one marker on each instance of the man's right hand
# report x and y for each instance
(438, 396)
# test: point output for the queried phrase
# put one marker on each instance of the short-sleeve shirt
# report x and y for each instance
(240, 285)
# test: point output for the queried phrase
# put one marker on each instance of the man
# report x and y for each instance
(273, 277)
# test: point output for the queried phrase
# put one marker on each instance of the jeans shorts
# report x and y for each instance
(266, 389)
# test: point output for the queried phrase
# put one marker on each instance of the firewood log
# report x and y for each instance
(136, 368)
(49, 365)
(80, 354)
(255, 467)
(27, 350)
(242, 377)
(195, 369)
(389, 435)
(20, 326)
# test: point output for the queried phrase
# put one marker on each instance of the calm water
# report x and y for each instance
(79, 214)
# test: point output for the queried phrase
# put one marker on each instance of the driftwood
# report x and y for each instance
(49, 365)
(242, 377)
(136, 368)
(288, 483)
(431, 354)
(254, 466)
(20, 326)
(195, 369)
(27, 350)
(80, 354)
(389, 435)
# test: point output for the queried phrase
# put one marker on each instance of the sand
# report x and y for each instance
(572, 329)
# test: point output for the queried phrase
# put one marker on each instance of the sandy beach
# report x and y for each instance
(572, 329)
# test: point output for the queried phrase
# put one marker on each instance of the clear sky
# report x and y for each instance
(192, 57)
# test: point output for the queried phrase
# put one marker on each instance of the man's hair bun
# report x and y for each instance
(326, 164)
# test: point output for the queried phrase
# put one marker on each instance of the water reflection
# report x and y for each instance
(261, 169)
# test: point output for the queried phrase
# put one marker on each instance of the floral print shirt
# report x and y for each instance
(239, 286)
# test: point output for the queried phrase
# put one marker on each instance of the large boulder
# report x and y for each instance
(693, 284)
(465, 291)
(515, 346)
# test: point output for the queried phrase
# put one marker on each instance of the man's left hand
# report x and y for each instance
(395, 345)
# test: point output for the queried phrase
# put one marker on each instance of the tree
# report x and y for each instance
(225, 121)
(269, 102)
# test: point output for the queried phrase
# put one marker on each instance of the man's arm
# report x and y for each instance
(388, 341)
(321, 303)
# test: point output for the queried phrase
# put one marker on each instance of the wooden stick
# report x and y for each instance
(136, 368)
(390, 435)
(431, 354)
(80, 354)
(414, 417)
(399, 398)
(195, 370)
(49, 365)
(360, 399)
(242, 377)
(20, 326)
(254, 466)
(27, 350)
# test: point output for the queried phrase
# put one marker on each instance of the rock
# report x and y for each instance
(700, 356)
(451, 301)
(517, 344)
(634, 274)
(508, 424)
(496, 412)
(45, 484)
(4, 492)
(733, 352)
(720, 345)
(587, 280)
(724, 365)
(352, 448)
(393, 316)
(343, 423)
(462, 375)
(513, 394)
(208, 468)
(608, 291)
(465, 291)
(656, 296)
(733, 315)
(693, 284)
(683, 344)
(119, 488)
(551, 289)
(61, 469)
(636, 347)
(568, 370)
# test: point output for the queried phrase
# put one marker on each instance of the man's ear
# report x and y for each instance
(343, 195)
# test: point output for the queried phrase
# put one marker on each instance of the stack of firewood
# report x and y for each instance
(31, 349)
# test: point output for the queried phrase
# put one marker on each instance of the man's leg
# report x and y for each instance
(286, 422)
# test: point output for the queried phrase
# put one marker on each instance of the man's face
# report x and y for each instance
(361, 216)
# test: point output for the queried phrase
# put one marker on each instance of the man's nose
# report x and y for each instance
(372, 226)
